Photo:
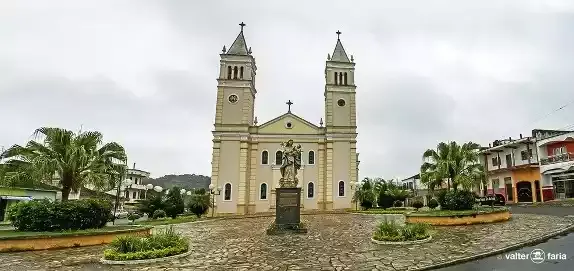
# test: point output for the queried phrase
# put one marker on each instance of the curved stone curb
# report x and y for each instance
(401, 243)
(530, 242)
(104, 261)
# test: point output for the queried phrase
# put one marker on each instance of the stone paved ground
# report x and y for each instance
(334, 242)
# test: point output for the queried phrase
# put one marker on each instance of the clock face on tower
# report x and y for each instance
(233, 98)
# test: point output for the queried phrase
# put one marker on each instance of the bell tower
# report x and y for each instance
(234, 114)
(236, 86)
(340, 125)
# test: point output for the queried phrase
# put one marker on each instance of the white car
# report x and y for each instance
(121, 214)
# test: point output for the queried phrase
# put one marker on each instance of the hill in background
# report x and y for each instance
(187, 181)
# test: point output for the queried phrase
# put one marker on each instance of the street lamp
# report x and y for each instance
(182, 191)
(188, 193)
(214, 192)
(353, 186)
(158, 189)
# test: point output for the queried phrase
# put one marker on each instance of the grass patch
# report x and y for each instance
(14, 234)
(168, 221)
(480, 210)
(391, 232)
(381, 211)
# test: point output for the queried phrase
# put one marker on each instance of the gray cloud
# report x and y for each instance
(144, 72)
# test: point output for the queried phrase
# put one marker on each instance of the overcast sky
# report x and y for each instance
(144, 72)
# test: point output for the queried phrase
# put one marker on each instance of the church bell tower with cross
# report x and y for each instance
(340, 115)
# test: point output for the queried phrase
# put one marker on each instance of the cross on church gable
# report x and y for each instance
(289, 103)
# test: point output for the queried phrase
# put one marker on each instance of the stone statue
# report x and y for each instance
(291, 164)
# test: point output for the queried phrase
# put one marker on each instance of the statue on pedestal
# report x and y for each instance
(291, 164)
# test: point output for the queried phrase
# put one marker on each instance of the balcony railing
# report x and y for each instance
(558, 158)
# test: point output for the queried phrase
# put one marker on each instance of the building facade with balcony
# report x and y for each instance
(512, 169)
(134, 189)
(556, 152)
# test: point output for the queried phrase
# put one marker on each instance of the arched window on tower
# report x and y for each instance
(227, 192)
(341, 188)
(336, 81)
(265, 158)
(345, 79)
(263, 191)
(228, 72)
(340, 78)
(278, 158)
(235, 72)
(241, 73)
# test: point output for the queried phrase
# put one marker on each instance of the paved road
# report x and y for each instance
(561, 244)
(543, 210)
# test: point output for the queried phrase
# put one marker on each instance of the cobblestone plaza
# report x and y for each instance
(334, 242)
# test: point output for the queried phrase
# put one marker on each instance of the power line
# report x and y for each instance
(552, 112)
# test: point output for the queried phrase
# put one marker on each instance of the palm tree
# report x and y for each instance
(458, 164)
(76, 159)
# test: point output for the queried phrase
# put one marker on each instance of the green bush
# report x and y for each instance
(385, 200)
(441, 197)
(418, 204)
(44, 215)
(158, 214)
(162, 244)
(398, 203)
(433, 203)
(390, 231)
(173, 203)
(199, 204)
(132, 216)
(153, 203)
(457, 200)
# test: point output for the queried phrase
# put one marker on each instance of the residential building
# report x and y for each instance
(512, 169)
(247, 156)
(556, 152)
(11, 195)
(137, 190)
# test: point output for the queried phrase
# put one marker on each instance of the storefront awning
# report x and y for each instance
(16, 198)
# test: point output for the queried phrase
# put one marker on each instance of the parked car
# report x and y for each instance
(121, 214)
(492, 199)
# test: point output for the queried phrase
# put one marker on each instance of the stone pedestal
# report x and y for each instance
(287, 212)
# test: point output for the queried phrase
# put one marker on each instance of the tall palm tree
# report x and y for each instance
(456, 163)
(77, 159)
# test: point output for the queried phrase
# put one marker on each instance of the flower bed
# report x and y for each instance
(463, 217)
(392, 233)
(11, 240)
(159, 245)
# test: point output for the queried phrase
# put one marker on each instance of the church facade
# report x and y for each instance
(247, 155)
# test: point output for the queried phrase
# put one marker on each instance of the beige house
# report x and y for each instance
(246, 155)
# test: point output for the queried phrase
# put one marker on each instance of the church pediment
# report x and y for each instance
(288, 123)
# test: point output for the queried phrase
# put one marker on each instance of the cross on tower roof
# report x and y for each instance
(289, 103)
(338, 33)
(242, 25)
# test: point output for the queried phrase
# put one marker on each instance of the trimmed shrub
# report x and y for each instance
(153, 203)
(457, 200)
(132, 216)
(433, 203)
(158, 214)
(385, 200)
(390, 231)
(173, 203)
(44, 215)
(162, 244)
(418, 204)
(440, 196)
(398, 203)
(199, 204)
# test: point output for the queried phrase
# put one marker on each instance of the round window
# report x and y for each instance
(341, 102)
(232, 98)
(289, 125)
